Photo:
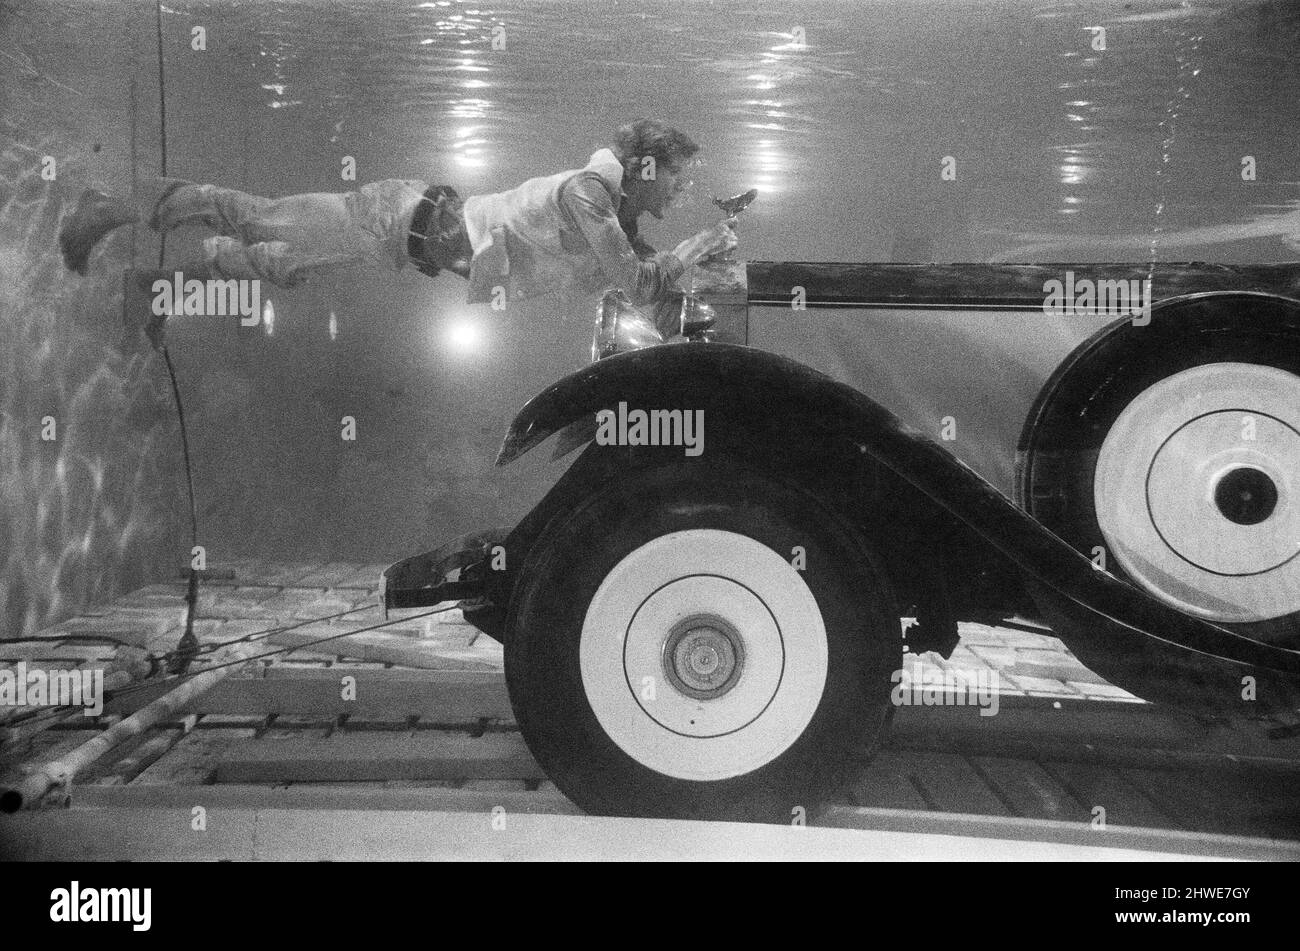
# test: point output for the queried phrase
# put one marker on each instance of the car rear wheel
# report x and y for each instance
(1195, 492)
(1172, 451)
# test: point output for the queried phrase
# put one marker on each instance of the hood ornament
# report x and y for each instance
(736, 203)
(730, 207)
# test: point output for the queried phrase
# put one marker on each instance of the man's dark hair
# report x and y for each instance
(641, 137)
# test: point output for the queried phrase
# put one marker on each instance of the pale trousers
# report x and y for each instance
(282, 240)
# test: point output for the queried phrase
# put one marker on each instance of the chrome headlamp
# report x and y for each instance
(621, 327)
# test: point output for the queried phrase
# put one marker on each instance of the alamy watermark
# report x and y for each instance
(208, 298)
(1085, 297)
(76, 904)
(656, 427)
(37, 687)
(918, 685)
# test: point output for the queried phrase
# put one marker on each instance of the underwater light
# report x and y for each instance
(464, 337)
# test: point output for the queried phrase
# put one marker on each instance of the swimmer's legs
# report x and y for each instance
(164, 203)
(276, 262)
(97, 215)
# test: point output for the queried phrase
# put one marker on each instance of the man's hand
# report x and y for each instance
(710, 241)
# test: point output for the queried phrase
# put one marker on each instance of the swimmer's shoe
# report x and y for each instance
(94, 217)
(137, 305)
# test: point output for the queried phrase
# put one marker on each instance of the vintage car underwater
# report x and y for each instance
(714, 635)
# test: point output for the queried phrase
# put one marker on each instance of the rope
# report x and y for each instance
(187, 648)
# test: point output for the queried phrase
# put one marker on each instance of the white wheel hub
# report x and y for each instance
(703, 655)
(1196, 487)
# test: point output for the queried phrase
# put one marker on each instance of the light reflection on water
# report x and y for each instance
(1058, 139)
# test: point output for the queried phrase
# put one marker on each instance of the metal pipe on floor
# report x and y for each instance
(61, 772)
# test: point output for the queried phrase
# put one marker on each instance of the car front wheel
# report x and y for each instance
(701, 641)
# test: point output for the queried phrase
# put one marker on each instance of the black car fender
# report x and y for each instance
(701, 374)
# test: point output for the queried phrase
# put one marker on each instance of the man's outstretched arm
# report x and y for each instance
(644, 281)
